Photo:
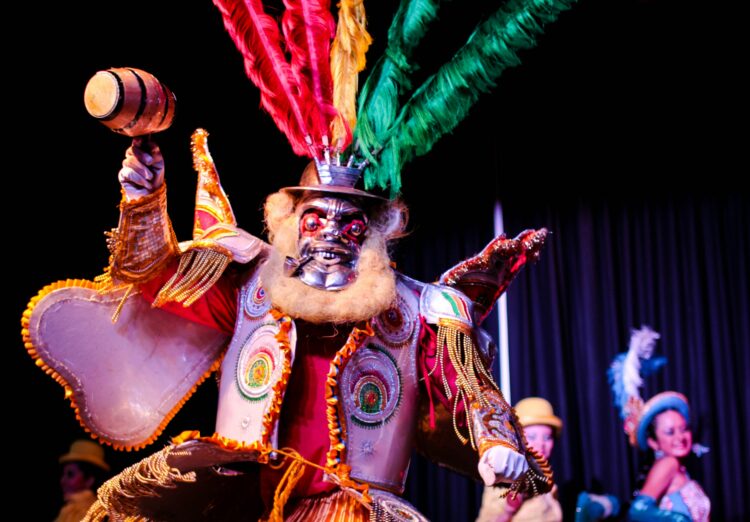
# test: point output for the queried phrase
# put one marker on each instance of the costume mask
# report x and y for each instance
(331, 233)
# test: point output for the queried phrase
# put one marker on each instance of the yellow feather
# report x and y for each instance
(347, 60)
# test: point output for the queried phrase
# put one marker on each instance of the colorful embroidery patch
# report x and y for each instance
(395, 326)
(259, 363)
(457, 305)
(257, 303)
(371, 387)
(370, 395)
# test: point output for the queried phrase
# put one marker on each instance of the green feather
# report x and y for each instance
(389, 79)
(445, 98)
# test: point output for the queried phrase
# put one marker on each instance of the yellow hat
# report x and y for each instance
(86, 451)
(535, 410)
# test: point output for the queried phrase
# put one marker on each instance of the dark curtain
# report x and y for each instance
(676, 263)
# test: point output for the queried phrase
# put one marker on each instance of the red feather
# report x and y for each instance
(257, 37)
(309, 29)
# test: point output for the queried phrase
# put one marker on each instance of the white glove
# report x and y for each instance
(501, 464)
(142, 169)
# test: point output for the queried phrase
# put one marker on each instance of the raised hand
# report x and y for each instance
(142, 170)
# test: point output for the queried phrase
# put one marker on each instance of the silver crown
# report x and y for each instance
(339, 175)
(329, 175)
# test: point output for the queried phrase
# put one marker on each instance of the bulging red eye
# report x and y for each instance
(356, 228)
(310, 223)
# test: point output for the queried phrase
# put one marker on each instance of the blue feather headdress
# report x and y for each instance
(625, 377)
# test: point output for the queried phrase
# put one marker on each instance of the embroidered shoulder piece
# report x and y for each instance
(439, 303)
(217, 240)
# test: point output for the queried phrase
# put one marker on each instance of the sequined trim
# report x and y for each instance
(257, 302)
(260, 363)
(371, 387)
(143, 242)
(396, 326)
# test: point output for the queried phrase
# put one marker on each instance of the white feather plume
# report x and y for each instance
(641, 346)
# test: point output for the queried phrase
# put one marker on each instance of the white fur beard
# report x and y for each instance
(372, 292)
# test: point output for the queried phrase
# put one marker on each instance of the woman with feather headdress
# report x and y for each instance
(662, 425)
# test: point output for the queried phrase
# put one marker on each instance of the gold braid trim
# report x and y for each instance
(143, 242)
(223, 442)
(274, 409)
(199, 269)
(286, 485)
(120, 494)
(455, 339)
(337, 450)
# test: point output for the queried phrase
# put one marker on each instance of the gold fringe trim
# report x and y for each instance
(197, 272)
(105, 281)
(96, 513)
(336, 452)
(121, 304)
(455, 339)
(32, 351)
(120, 494)
(107, 284)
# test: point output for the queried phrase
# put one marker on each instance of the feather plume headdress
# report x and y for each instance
(625, 376)
(307, 69)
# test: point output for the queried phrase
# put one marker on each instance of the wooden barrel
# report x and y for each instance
(129, 101)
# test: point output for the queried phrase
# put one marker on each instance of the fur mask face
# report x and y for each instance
(331, 233)
(373, 288)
